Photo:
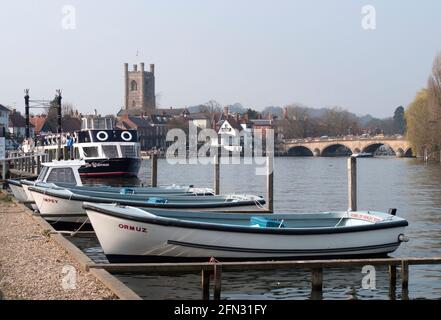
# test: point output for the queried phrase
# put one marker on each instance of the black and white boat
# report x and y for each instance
(105, 150)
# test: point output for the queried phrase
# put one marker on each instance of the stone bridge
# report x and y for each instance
(329, 146)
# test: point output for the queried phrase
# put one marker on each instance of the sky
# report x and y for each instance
(258, 53)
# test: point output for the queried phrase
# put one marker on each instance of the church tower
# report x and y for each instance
(139, 88)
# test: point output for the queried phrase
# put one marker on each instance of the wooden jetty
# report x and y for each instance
(214, 270)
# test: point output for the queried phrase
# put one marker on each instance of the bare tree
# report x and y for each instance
(434, 98)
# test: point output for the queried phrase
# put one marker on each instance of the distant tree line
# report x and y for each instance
(302, 122)
(423, 115)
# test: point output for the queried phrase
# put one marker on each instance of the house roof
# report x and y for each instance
(16, 120)
(2, 107)
(71, 124)
(235, 124)
(140, 122)
(262, 122)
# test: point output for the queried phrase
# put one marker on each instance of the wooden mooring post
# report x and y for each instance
(217, 281)
(317, 283)
(404, 280)
(270, 182)
(154, 173)
(392, 281)
(216, 185)
(205, 284)
(352, 183)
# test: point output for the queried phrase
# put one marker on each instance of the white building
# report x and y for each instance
(233, 135)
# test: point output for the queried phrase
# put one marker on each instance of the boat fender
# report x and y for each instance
(403, 238)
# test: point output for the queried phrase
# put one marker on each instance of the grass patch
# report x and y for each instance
(5, 197)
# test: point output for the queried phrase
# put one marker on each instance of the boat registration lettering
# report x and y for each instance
(365, 217)
(50, 200)
(132, 228)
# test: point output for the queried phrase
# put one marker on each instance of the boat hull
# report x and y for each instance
(57, 209)
(30, 198)
(64, 209)
(130, 240)
(19, 193)
(111, 167)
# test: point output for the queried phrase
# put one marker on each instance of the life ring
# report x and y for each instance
(100, 136)
(126, 136)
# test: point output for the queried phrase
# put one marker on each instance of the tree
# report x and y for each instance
(399, 120)
(434, 97)
(423, 115)
(212, 106)
(252, 114)
(419, 128)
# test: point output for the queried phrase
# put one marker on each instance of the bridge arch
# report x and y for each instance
(336, 150)
(373, 147)
(409, 153)
(300, 151)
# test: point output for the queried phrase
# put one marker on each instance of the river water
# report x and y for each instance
(307, 184)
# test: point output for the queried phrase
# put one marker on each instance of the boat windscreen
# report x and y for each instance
(110, 151)
(42, 173)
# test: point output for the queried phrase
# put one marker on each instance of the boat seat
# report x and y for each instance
(263, 222)
(156, 200)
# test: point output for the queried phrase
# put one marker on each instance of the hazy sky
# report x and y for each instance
(259, 53)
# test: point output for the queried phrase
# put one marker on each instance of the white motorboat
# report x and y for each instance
(66, 174)
(62, 204)
(131, 234)
(362, 155)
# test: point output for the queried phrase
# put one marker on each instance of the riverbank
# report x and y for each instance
(32, 267)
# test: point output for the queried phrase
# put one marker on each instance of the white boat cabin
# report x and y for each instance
(65, 172)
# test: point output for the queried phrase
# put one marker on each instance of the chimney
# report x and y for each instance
(226, 112)
(142, 66)
(285, 113)
(135, 67)
(270, 116)
(152, 68)
(237, 117)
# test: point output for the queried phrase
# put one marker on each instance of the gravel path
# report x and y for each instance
(34, 267)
